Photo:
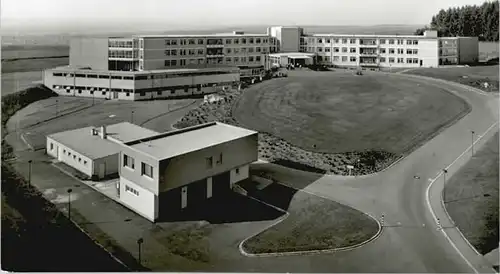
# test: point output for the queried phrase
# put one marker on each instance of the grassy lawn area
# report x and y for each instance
(475, 76)
(327, 120)
(314, 223)
(476, 215)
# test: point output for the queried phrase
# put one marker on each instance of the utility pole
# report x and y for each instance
(472, 146)
(139, 243)
(69, 202)
(444, 184)
(29, 174)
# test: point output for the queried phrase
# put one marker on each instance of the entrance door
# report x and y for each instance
(221, 185)
(115, 95)
(421, 62)
(102, 170)
(184, 197)
(197, 193)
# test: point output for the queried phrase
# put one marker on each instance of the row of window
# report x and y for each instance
(99, 76)
(354, 59)
(199, 51)
(146, 170)
(122, 44)
(354, 41)
(215, 41)
(354, 50)
(69, 154)
(144, 77)
(131, 190)
(123, 54)
(91, 90)
(220, 60)
(210, 161)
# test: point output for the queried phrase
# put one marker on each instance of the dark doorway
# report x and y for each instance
(221, 185)
(197, 193)
(421, 62)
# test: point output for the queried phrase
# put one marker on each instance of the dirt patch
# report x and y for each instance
(314, 223)
(472, 198)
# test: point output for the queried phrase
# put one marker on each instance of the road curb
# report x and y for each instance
(308, 252)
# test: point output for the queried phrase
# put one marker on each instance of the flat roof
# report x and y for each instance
(93, 146)
(127, 73)
(292, 54)
(179, 142)
(218, 35)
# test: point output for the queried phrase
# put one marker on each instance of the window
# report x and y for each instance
(344, 41)
(391, 51)
(409, 51)
(209, 162)
(228, 59)
(103, 93)
(251, 40)
(382, 41)
(250, 49)
(237, 170)
(74, 157)
(352, 50)
(191, 41)
(336, 49)
(219, 160)
(191, 52)
(146, 170)
(51, 146)
(352, 41)
(257, 40)
(391, 59)
(131, 190)
(250, 59)
(415, 51)
(382, 50)
(243, 40)
(382, 59)
(415, 42)
(128, 161)
(236, 41)
(391, 41)
(200, 51)
(327, 49)
(409, 60)
(401, 51)
(159, 92)
(409, 42)
(344, 49)
(336, 40)
(352, 59)
(344, 58)
(328, 41)
(400, 60)
(335, 58)
(85, 162)
(79, 159)
(320, 49)
(320, 40)
(201, 42)
(257, 58)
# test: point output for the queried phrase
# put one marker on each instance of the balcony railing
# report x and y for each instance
(368, 53)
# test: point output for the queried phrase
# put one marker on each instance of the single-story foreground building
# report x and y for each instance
(160, 173)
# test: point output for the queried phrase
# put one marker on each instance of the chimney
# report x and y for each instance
(103, 132)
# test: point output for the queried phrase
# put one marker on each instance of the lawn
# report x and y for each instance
(327, 120)
(475, 76)
(476, 215)
(488, 50)
(314, 223)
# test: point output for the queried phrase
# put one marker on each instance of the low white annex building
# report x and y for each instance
(160, 173)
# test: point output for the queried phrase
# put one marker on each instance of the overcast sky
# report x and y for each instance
(208, 13)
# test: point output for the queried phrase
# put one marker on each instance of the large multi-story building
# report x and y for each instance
(163, 66)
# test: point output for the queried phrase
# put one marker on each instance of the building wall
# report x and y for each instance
(429, 52)
(239, 173)
(89, 52)
(142, 201)
(288, 38)
(468, 50)
(110, 162)
(134, 175)
(191, 167)
(75, 160)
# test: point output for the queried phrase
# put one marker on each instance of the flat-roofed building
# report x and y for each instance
(94, 150)
(178, 170)
(458, 50)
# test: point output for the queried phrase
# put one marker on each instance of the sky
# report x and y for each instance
(187, 14)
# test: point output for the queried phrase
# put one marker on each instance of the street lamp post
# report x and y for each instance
(57, 108)
(69, 203)
(472, 146)
(139, 243)
(29, 174)
(444, 184)
(132, 117)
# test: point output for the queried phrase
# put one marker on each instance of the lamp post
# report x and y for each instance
(444, 184)
(57, 108)
(29, 174)
(69, 202)
(132, 117)
(472, 146)
(139, 243)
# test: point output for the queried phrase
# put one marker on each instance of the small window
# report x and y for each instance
(103, 93)
(51, 146)
(64, 151)
(209, 162)
(219, 160)
(79, 91)
(159, 92)
(128, 161)
(128, 94)
(69, 153)
(131, 190)
(146, 170)
(79, 159)
(237, 170)
(85, 162)
(74, 157)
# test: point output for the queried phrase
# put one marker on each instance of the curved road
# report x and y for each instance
(410, 241)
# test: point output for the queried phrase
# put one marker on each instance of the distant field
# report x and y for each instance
(488, 50)
(32, 65)
(12, 82)
(30, 51)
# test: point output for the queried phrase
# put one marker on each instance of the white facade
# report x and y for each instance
(141, 200)
(72, 158)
